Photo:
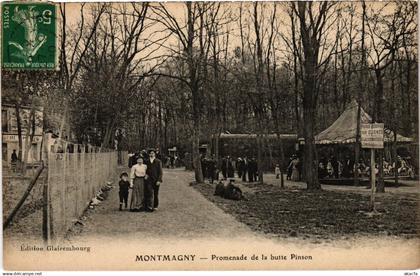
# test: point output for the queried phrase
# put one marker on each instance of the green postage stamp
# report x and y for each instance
(29, 35)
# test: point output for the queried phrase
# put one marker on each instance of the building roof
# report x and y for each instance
(343, 130)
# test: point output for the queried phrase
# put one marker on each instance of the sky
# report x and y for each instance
(178, 9)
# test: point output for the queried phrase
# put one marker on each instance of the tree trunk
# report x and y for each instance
(216, 150)
(408, 124)
(336, 98)
(378, 118)
(395, 158)
(195, 93)
(108, 134)
(309, 159)
(357, 145)
(309, 89)
(29, 137)
(259, 158)
(196, 158)
(282, 163)
(20, 140)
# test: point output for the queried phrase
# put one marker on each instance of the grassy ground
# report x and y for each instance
(13, 190)
(320, 215)
(28, 220)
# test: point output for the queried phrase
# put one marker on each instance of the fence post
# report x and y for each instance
(82, 173)
(110, 163)
(63, 194)
(92, 188)
(75, 180)
(46, 233)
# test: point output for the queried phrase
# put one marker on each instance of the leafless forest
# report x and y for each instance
(177, 73)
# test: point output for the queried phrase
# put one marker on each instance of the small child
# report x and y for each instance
(124, 186)
(277, 171)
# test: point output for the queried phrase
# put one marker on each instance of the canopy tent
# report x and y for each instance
(343, 130)
(282, 136)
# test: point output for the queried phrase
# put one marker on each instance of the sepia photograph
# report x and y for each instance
(210, 136)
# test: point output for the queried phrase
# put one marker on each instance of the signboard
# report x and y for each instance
(10, 138)
(29, 36)
(15, 138)
(372, 136)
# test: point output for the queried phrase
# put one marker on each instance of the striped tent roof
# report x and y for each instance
(343, 130)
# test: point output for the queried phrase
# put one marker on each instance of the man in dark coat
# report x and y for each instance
(211, 169)
(254, 165)
(254, 169)
(14, 160)
(152, 183)
(224, 167)
(245, 168)
(239, 166)
(204, 164)
(230, 169)
(133, 159)
(347, 167)
(290, 168)
(251, 170)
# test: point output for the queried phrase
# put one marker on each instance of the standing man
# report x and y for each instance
(204, 164)
(245, 169)
(230, 169)
(251, 170)
(239, 167)
(211, 169)
(14, 160)
(154, 179)
(224, 167)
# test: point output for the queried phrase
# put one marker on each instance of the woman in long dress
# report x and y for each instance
(138, 174)
(295, 169)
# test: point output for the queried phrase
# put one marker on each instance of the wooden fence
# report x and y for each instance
(73, 180)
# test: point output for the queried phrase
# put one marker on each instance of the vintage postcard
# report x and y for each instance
(210, 135)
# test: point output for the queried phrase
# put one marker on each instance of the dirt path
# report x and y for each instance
(183, 213)
(188, 224)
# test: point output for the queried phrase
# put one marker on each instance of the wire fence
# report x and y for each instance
(73, 179)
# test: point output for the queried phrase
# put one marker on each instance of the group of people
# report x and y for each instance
(144, 182)
(247, 169)
(209, 168)
(171, 161)
(334, 168)
(294, 168)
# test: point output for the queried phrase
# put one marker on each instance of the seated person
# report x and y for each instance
(228, 190)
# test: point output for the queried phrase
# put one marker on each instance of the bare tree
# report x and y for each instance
(314, 22)
(73, 52)
(188, 36)
(386, 33)
(359, 95)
